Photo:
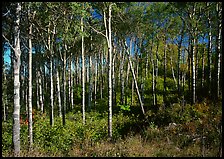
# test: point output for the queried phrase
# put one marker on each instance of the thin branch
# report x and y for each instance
(98, 32)
(8, 42)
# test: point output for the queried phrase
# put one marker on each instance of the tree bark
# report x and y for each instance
(218, 45)
(69, 82)
(164, 77)
(16, 68)
(72, 92)
(122, 78)
(64, 86)
(136, 85)
(41, 91)
(30, 87)
(90, 82)
(209, 56)
(109, 71)
(58, 93)
(83, 75)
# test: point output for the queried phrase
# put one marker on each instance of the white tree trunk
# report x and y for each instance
(90, 82)
(83, 76)
(110, 73)
(16, 67)
(37, 91)
(40, 91)
(30, 88)
(58, 93)
(136, 84)
(72, 80)
(219, 13)
(69, 81)
(95, 82)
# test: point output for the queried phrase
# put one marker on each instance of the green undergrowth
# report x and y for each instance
(175, 131)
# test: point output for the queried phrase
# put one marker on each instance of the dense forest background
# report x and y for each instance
(112, 79)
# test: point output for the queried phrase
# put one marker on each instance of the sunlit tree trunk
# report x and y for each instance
(72, 90)
(41, 91)
(64, 85)
(122, 78)
(30, 86)
(90, 82)
(164, 67)
(218, 45)
(157, 71)
(37, 90)
(16, 68)
(69, 82)
(109, 70)
(95, 80)
(83, 75)
(209, 56)
(58, 93)
(133, 75)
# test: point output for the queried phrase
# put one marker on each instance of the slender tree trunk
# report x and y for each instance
(153, 81)
(173, 72)
(77, 71)
(203, 69)
(51, 80)
(101, 80)
(157, 71)
(64, 86)
(95, 82)
(4, 101)
(113, 79)
(218, 45)
(41, 92)
(122, 79)
(58, 93)
(209, 53)
(126, 89)
(164, 84)
(109, 71)
(83, 75)
(37, 89)
(179, 58)
(72, 92)
(90, 82)
(193, 73)
(136, 85)
(30, 88)
(147, 65)
(69, 82)
(16, 68)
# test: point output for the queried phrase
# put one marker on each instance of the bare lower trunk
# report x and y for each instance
(72, 92)
(173, 72)
(52, 91)
(30, 90)
(83, 76)
(58, 93)
(41, 92)
(37, 89)
(218, 45)
(193, 73)
(64, 86)
(209, 54)
(122, 79)
(90, 82)
(69, 82)
(16, 68)
(95, 82)
(136, 85)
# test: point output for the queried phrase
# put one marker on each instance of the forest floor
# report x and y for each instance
(194, 132)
